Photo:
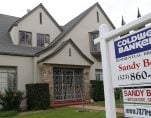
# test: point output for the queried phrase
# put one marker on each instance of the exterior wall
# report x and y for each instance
(32, 24)
(64, 58)
(80, 36)
(24, 69)
(80, 33)
(96, 65)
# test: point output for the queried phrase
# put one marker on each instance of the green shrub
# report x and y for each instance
(38, 96)
(118, 93)
(11, 99)
(97, 90)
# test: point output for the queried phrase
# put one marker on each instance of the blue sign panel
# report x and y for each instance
(135, 43)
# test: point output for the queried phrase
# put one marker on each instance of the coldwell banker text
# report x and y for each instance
(136, 43)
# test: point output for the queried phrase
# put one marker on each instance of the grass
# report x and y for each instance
(66, 112)
(8, 114)
(119, 103)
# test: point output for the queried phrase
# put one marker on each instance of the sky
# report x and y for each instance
(65, 10)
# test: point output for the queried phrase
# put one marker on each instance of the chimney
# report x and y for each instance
(28, 10)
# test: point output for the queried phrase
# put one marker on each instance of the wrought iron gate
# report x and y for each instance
(67, 83)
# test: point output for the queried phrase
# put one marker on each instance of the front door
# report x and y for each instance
(67, 84)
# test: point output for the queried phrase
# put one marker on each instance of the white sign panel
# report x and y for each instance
(130, 58)
(137, 111)
(139, 95)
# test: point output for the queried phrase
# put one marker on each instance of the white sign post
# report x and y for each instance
(107, 45)
(108, 86)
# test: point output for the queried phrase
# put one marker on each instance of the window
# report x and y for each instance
(42, 39)
(97, 13)
(7, 78)
(47, 38)
(99, 74)
(94, 47)
(40, 17)
(25, 38)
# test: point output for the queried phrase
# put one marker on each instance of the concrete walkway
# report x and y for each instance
(97, 108)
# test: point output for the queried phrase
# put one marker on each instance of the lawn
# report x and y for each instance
(119, 103)
(66, 112)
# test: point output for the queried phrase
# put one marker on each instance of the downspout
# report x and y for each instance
(35, 69)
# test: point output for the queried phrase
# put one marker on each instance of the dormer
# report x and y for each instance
(37, 28)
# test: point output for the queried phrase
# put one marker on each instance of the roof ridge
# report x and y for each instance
(106, 16)
(40, 5)
(82, 13)
(9, 15)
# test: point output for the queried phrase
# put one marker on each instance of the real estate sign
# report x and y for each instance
(137, 111)
(138, 95)
(130, 58)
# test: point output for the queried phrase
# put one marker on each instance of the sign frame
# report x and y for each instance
(105, 36)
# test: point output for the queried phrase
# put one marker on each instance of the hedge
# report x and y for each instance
(97, 90)
(38, 96)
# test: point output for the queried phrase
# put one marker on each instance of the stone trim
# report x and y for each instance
(46, 74)
(86, 85)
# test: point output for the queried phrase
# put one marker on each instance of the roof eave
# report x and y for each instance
(17, 54)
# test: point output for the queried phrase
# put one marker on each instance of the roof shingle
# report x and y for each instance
(5, 23)
(6, 44)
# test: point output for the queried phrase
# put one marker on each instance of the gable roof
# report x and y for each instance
(5, 23)
(70, 25)
(30, 12)
(63, 45)
(77, 19)
(6, 44)
(18, 50)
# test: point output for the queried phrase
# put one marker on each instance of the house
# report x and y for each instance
(36, 49)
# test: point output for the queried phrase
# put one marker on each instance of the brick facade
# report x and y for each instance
(86, 85)
(46, 75)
